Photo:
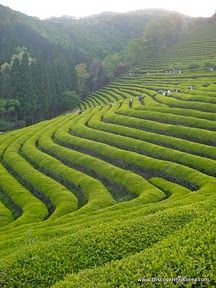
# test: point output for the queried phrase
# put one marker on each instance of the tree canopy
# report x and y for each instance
(70, 100)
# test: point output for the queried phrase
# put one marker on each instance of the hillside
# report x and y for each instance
(122, 189)
(42, 59)
(196, 48)
(94, 36)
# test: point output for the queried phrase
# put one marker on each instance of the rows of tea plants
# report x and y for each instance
(120, 189)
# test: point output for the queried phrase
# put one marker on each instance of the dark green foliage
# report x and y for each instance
(38, 58)
(38, 87)
(70, 100)
(8, 114)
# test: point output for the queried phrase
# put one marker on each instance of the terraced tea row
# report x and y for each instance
(124, 174)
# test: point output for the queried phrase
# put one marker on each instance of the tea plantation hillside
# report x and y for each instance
(119, 191)
(196, 49)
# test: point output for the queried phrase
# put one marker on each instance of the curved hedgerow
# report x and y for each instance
(98, 245)
(191, 134)
(188, 121)
(42, 186)
(96, 194)
(182, 248)
(150, 166)
(181, 112)
(133, 184)
(186, 104)
(32, 209)
(6, 216)
(121, 128)
(207, 166)
(194, 97)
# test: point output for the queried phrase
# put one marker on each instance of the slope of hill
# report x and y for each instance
(129, 186)
(94, 36)
(194, 50)
(39, 59)
(120, 192)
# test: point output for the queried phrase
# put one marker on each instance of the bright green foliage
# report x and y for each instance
(97, 245)
(190, 252)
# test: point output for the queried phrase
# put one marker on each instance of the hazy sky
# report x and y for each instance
(79, 8)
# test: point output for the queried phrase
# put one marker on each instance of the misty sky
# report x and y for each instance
(79, 8)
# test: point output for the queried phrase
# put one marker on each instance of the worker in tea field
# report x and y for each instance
(141, 99)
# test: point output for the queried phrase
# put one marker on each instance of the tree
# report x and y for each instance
(5, 82)
(41, 91)
(82, 78)
(163, 32)
(8, 113)
(136, 51)
(120, 70)
(70, 100)
(109, 63)
(22, 85)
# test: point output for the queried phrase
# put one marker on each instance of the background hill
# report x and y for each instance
(94, 36)
(40, 60)
(196, 49)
